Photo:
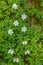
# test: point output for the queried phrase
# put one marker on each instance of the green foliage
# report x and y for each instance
(34, 33)
(41, 4)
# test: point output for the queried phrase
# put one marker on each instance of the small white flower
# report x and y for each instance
(10, 31)
(23, 29)
(24, 42)
(16, 23)
(27, 52)
(10, 51)
(23, 16)
(15, 6)
(16, 60)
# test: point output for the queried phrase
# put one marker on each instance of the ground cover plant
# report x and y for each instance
(21, 32)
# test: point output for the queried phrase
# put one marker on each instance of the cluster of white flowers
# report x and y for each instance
(10, 51)
(16, 23)
(23, 29)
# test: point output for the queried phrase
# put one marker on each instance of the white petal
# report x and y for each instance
(23, 29)
(24, 42)
(10, 51)
(16, 23)
(10, 31)
(15, 6)
(27, 52)
(23, 16)
(16, 60)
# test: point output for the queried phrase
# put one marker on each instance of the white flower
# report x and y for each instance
(23, 16)
(23, 29)
(10, 51)
(16, 60)
(24, 42)
(10, 31)
(27, 52)
(15, 6)
(16, 23)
